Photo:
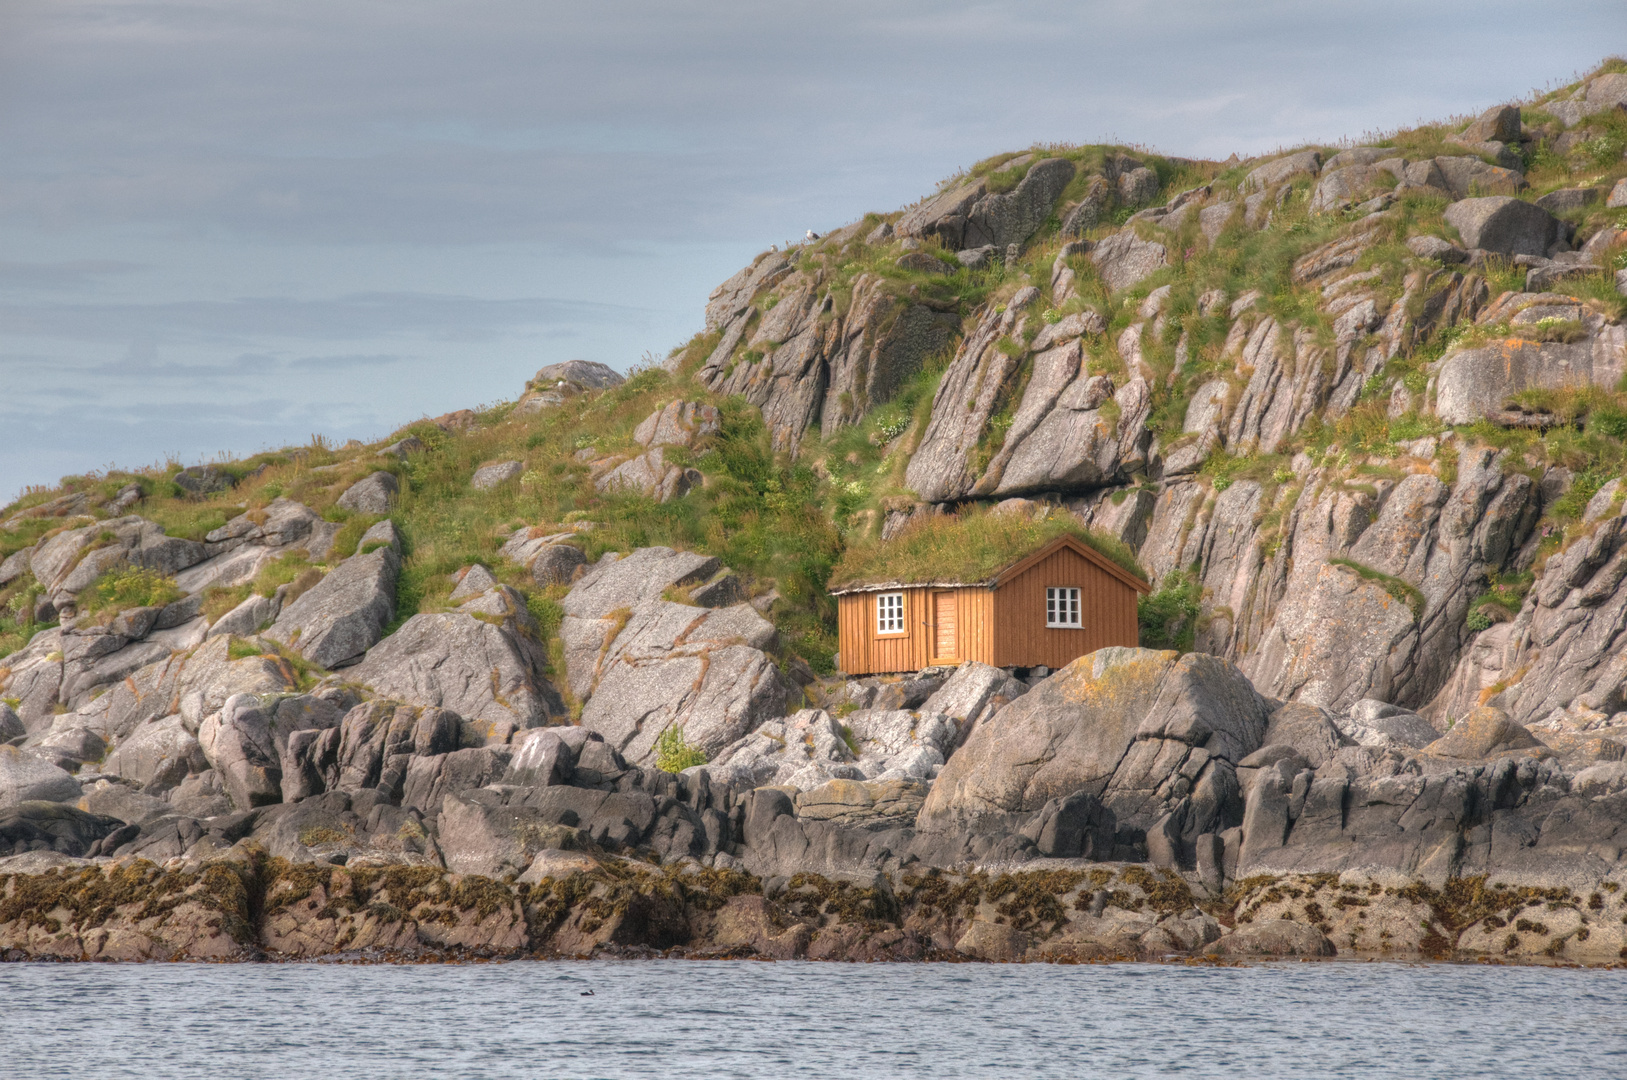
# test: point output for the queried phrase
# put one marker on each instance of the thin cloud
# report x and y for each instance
(342, 363)
(361, 315)
(75, 274)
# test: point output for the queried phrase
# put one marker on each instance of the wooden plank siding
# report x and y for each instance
(1107, 613)
(864, 652)
(999, 622)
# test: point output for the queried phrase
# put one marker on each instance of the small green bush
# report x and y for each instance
(673, 754)
(239, 649)
(126, 587)
(286, 569)
(1169, 617)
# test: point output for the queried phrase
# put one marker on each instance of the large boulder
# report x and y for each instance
(576, 376)
(1505, 225)
(1012, 217)
(25, 777)
(1307, 728)
(1485, 732)
(279, 524)
(239, 745)
(627, 581)
(339, 618)
(678, 423)
(972, 694)
(969, 216)
(1500, 123)
(157, 756)
(1272, 173)
(1380, 725)
(557, 564)
(650, 474)
(371, 495)
(52, 827)
(1124, 259)
(484, 662)
(489, 476)
(1340, 188)
(1154, 735)
(248, 618)
(1463, 177)
(700, 670)
(942, 215)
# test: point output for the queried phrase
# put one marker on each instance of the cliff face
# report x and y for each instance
(1363, 398)
(1359, 414)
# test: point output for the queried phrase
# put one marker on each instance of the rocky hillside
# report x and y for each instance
(1357, 411)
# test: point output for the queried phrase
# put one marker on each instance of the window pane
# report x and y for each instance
(890, 613)
(1062, 606)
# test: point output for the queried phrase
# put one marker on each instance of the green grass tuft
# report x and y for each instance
(673, 754)
(968, 547)
(126, 587)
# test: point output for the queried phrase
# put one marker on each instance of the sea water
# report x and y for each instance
(671, 1018)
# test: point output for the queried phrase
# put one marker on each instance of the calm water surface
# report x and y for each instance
(746, 1019)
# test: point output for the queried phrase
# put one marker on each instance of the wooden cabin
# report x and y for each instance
(1047, 608)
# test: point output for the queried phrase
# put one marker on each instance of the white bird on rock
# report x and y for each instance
(812, 236)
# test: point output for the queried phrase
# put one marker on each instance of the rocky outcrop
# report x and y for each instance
(552, 384)
(699, 671)
(489, 476)
(371, 494)
(810, 749)
(943, 467)
(157, 756)
(1124, 259)
(806, 364)
(484, 661)
(27, 778)
(344, 614)
(1481, 381)
(1506, 225)
(649, 474)
(1361, 483)
(679, 423)
(618, 581)
(1384, 585)
(1154, 736)
(970, 216)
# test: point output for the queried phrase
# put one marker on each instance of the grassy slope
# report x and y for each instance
(784, 523)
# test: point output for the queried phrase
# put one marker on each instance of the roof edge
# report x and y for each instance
(1089, 553)
(894, 586)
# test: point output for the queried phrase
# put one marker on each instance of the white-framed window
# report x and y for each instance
(1061, 607)
(890, 613)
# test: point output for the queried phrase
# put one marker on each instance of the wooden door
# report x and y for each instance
(945, 644)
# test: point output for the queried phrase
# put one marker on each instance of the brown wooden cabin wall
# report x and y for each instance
(863, 652)
(1107, 609)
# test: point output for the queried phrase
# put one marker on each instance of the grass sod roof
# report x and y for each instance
(969, 548)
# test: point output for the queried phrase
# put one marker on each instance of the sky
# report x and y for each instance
(228, 226)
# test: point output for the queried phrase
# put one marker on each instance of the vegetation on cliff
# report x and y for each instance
(789, 518)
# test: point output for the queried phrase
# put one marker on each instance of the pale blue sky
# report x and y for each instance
(229, 225)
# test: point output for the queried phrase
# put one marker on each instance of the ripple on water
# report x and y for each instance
(746, 1019)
